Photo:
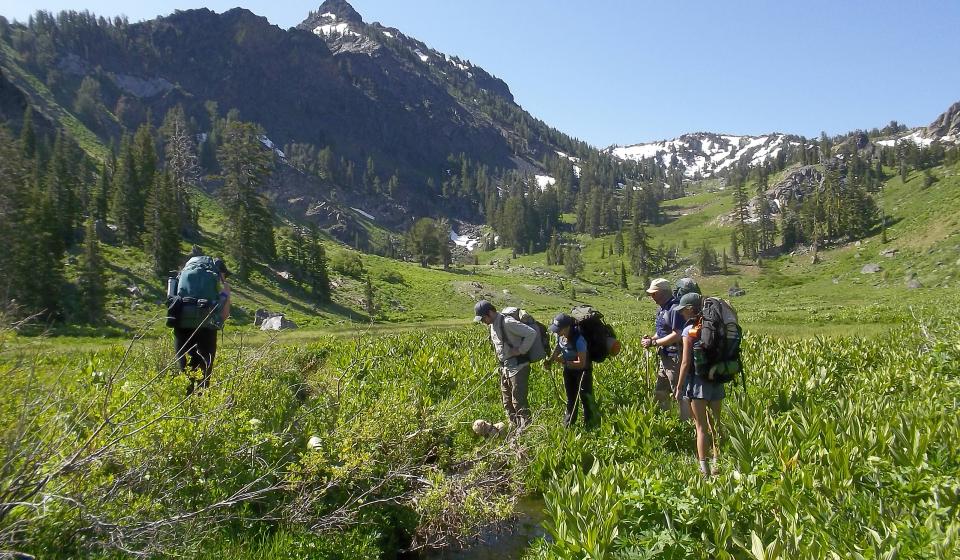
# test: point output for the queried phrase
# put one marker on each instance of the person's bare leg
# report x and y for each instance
(699, 409)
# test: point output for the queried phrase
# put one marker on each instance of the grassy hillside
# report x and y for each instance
(788, 296)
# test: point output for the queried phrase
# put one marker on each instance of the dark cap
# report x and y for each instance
(560, 322)
(221, 267)
(481, 309)
(692, 299)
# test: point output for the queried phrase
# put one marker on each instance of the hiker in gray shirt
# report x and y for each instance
(511, 341)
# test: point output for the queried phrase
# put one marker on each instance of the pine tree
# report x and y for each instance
(100, 204)
(127, 209)
(595, 213)
(181, 161)
(162, 238)
(734, 250)
(28, 136)
(246, 166)
(573, 262)
(640, 252)
(623, 276)
(90, 281)
(618, 243)
(581, 212)
(369, 296)
(741, 204)
(707, 259)
(317, 259)
(424, 240)
(63, 185)
(88, 101)
(45, 260)
(146, 161)
(16, 235)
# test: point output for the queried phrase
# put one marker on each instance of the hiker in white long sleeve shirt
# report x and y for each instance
(511, 341)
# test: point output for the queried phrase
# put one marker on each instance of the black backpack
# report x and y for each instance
(601, 338)
(686, 286)
(720, 336)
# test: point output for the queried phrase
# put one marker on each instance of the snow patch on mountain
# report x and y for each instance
(706, 154)
(420, 55)
(268, 143)
(544, 181)
(917, 137)
(335, 29)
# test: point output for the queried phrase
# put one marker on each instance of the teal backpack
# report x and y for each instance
(198, 294)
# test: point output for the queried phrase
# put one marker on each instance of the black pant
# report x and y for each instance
(200, 346)
(578, 384)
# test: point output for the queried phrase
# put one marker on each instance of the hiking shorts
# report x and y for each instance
(699, 388)
(668, 374)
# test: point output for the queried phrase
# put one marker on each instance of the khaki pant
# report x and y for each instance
(667, 377)
(514, 379)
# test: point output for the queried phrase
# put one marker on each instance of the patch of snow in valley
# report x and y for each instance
(362, 213)
(576, 171)
(419, 53)
(329, 15)
(470, 243)
(388, 34)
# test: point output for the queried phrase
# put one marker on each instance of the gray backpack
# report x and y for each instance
(541, 346)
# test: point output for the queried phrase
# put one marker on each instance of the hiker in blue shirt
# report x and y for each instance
(571, 351)
(669, 325)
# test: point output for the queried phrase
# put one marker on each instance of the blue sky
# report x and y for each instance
(624, 71)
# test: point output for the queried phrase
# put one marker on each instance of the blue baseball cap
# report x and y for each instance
(560, 322)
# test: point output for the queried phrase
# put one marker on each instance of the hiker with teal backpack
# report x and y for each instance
(198, 305)
(710, 359)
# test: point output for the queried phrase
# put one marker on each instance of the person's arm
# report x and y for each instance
(582, 360)
(225, 308)
(553, 357)
(520, 331)
(684, 365)
(670, 339)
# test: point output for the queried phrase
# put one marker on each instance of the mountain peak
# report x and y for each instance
(338, 10)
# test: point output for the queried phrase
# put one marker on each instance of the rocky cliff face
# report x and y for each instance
(947, 125)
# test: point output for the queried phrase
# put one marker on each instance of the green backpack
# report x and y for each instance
(198, 292)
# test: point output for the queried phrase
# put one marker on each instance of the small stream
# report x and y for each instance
(505, 541)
